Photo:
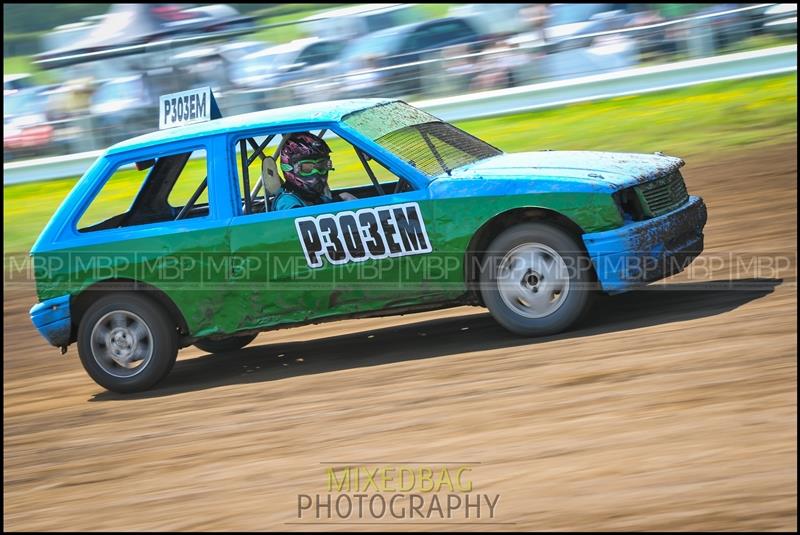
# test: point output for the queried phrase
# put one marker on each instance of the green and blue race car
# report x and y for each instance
(434, 218)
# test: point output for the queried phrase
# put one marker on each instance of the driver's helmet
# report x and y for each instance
(305, 162)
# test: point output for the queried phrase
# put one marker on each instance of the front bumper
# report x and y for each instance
(645, 251)
(52, 319)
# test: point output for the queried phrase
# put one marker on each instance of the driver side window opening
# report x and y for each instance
(355, 173)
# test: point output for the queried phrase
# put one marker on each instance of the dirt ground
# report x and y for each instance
(670, 409)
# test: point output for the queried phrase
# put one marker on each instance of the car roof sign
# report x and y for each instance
(187, 107)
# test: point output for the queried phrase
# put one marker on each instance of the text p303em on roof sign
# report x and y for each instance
(186, 107)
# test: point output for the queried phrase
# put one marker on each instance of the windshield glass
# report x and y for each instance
(418, 138)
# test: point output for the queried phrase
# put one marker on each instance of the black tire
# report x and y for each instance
(232, 343)
(544, 239)
(161, 342)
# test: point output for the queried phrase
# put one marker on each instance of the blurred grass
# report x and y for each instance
(696, 123)
(284, 34)
(757, 42)
(24, 64)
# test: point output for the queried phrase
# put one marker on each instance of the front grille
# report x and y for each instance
(663, 195)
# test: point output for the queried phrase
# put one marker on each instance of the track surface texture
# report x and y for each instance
(669, 409)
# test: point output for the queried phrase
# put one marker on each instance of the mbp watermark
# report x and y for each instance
(398, 492)
(439, 271)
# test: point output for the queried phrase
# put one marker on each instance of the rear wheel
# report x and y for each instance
(126, 342)
(536, 279)
(232, 343)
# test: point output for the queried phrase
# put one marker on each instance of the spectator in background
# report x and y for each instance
(497, 66)
(652, 40)
(367, 81)
(537, 17)
(460, 67)
(71, 99)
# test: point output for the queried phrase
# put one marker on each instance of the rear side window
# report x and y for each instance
(115, 198)
(162, 189)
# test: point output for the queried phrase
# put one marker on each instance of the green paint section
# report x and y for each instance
(254, 275)
(190, 267)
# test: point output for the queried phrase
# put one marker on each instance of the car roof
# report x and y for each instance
(316, 112)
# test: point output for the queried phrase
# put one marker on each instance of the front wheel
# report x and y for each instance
(126, 342)
(536, 280)
(231, 343)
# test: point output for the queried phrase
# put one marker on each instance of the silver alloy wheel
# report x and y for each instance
(533, 280)
(122, 343)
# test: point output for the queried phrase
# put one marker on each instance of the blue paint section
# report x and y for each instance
(645, 251)
(52, 319)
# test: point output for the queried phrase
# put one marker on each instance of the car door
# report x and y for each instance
(338, 258)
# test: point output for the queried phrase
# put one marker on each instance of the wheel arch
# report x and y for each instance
(81, 301)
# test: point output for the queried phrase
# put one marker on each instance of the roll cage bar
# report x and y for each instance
(259, 152)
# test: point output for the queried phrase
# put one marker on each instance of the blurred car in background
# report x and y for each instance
(16, 82)
(374, 50)
(494, 19)
(129, 104)
(565, 21)
(567, 43)
(355, 21)
(121, 106)
(68, 114)
(25, 132)
(64, 35)
(781, 19)
(396, 52)
(216, 65)
(133, 24)
(275, 76)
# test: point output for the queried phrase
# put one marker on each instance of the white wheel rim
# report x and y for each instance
(533, 280)
(122, 344)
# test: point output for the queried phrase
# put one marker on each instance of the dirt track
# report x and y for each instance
(669, 410)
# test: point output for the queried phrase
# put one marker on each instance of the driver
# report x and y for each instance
(305, 162)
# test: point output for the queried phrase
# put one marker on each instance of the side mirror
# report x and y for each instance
(145, 164)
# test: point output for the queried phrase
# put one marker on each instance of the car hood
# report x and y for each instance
(616, 169)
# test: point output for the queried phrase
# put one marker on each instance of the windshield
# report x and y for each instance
(418, 138)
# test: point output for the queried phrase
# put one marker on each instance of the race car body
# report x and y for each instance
(434, 218)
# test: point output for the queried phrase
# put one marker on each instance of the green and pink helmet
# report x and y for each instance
(305, 162)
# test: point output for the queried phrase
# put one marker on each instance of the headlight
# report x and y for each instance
(629, 205)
